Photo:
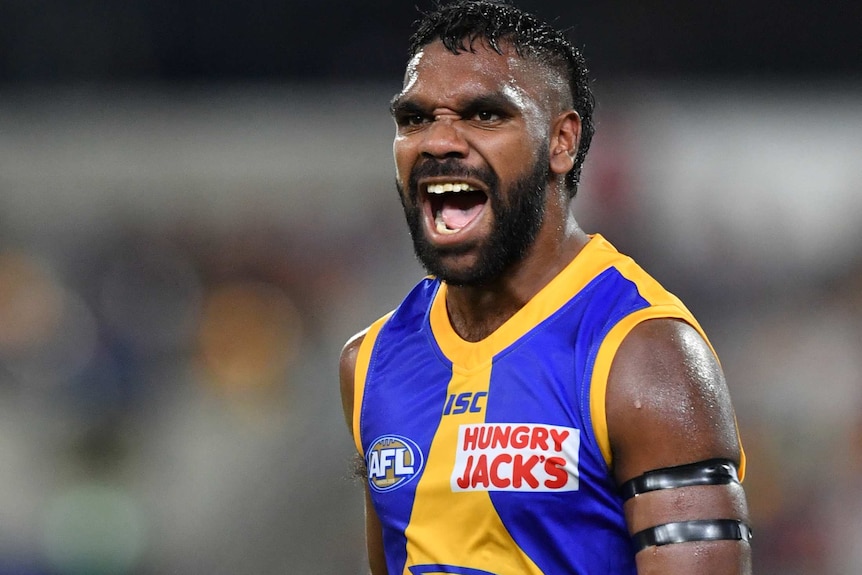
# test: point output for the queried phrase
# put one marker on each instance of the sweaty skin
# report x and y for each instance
(667, 402)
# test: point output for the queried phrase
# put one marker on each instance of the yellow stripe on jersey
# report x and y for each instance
(443, 529)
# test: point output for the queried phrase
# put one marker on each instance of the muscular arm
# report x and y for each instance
(373, 535)
(668, 405)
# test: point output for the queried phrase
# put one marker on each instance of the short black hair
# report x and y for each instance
(459, 23)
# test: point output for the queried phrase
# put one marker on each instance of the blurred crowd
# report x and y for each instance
(178, 273)
(168, 405)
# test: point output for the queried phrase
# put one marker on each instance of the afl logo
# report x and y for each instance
(392, 461)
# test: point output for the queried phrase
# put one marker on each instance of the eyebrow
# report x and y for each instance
(399, 105)
(496, 101)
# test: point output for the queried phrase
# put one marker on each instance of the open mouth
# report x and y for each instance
(454, 205)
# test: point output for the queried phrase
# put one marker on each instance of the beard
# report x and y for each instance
(518, 215)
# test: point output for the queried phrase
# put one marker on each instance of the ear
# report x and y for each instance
(565, 137)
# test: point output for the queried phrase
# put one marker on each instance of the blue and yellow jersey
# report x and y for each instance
(493, 458)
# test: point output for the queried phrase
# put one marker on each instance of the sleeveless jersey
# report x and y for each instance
(493, 457)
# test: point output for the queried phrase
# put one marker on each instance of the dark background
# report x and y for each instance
(233, 40)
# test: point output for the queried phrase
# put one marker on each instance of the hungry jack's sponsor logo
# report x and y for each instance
(516, 457)
(392, 461)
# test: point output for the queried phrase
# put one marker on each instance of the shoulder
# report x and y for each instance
(346, 370)
(667, 400)
(351, 349)
(351, 356)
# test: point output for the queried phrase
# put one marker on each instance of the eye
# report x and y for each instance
(487, 116)
(411, 120)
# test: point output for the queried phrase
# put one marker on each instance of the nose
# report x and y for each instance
(444, 139)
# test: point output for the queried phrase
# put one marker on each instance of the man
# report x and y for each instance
(538, 404)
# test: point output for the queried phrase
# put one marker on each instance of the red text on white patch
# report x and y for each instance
(516, 457)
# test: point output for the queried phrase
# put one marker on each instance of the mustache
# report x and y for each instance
(451, 168)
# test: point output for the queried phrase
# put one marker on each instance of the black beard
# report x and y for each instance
(517, 221)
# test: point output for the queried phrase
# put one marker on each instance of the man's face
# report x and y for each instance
(471, 156)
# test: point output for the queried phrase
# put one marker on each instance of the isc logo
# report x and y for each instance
(392, 461)
(463, 402)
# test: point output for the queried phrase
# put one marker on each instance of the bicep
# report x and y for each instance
(668, 405)
(667, 401)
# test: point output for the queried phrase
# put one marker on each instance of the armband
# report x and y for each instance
(709, 472)
(698, 530)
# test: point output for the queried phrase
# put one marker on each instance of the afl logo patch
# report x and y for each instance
(392, 461)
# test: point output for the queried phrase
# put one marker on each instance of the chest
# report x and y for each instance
(512, 422)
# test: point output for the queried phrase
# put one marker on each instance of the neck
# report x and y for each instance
(475, 312)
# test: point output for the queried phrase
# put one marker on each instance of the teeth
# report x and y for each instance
(449, 187)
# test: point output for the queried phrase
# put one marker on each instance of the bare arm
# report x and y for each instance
(668, 405)
(373, 534)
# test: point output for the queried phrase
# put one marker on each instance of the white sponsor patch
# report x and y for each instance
(516, 457)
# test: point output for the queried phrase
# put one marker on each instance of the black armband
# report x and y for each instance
(709, 472)
(699, 530)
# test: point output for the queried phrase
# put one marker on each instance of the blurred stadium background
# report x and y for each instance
(197, 209)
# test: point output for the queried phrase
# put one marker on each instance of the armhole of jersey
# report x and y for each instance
(605, 357)
(360, 373)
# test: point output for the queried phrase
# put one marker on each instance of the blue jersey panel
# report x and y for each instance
(540, 380)
(406, 383)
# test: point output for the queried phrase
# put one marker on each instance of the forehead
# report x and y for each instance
(438, 74)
